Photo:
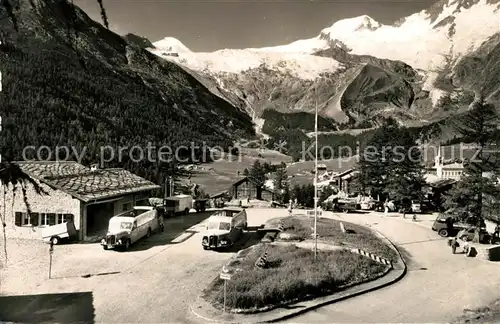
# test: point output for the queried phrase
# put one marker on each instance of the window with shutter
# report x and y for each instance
(26, 219)
(34, 219)
(18, 219)
(52, 219)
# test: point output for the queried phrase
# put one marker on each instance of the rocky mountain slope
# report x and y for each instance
(478, 71)
(140, 41)
(67, 81)
(359, 71)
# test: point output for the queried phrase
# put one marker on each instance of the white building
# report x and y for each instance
(444, 171)
(88, 197)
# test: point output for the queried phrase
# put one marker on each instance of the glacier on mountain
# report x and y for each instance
(430, 41)
(422, 41)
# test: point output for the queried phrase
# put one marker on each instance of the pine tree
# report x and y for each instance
(480, 127)
(390, 165)
(406, 171)
(280, 182)
(286, 194)
(257, 175)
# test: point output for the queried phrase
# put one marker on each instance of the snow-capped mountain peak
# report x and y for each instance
(171, 45)
(355, 24)
(426, 40)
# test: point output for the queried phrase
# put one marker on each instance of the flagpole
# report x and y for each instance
(316, 182)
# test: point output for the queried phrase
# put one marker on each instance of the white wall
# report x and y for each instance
(56, 202)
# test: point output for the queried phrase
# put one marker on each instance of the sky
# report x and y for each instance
(211, 25)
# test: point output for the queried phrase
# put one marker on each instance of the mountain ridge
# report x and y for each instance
(86, 88)
(412, 65)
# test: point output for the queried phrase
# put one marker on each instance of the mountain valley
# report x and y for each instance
(423, 71)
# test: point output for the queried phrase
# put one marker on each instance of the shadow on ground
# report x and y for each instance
(411, 264)
(177, 230)
(422, 241)
(48, 308)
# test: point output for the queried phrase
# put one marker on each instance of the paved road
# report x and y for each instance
(160, 277)
(438, 285)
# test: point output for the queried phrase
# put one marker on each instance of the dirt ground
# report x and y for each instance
(487, 314)
(162, 274)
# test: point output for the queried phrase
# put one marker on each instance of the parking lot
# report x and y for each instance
(166, 271)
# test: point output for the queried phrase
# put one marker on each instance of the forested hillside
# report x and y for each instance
(68, 81)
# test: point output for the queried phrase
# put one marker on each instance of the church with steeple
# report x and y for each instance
(445, 170)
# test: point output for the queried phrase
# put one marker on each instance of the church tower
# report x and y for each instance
(438, 162)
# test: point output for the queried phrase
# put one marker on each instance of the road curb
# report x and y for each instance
(279, 314)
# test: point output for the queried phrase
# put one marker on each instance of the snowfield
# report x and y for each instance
(420, 41)
(236, 61)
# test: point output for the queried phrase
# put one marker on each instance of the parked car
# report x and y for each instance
(405, 206)
(392, 206)
(378, 206)
(467, 234)
(340, 205)
(428, 206)
(441, 225)
(224, 228)
(368, 204)
(127, 228)
(416, 207)
(275, 204)
(200, 205)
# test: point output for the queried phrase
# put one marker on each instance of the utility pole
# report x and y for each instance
(51, 251)
(316, 182)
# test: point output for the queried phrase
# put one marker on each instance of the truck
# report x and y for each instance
(178, 205)
(55, 234)
(200, 205)
(127, 228)
(224, 228)
(340, 205)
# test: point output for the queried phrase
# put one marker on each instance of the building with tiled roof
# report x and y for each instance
(87, 196)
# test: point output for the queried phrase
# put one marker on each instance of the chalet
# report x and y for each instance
(88, 197)
(246, 188)
(344, 180)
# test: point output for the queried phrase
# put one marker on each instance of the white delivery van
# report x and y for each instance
(127, 228)
(224, 228)
(180, 204)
